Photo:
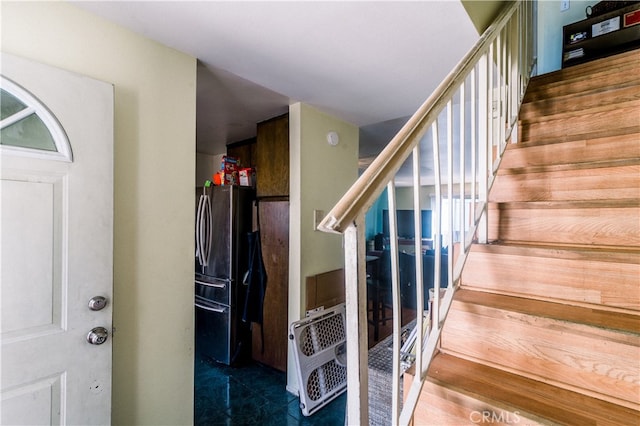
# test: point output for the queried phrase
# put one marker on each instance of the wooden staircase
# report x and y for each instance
(545, 328)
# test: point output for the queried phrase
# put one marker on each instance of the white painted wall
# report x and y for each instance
(320, 175)
(550, 23)
(206, 166)
(153, 197)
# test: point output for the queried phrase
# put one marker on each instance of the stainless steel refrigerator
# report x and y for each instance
(223, 220)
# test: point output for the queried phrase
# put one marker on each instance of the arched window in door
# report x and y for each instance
(27, 127)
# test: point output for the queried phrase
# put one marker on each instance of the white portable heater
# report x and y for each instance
(321, 357)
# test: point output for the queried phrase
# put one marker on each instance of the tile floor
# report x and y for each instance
(253, 394)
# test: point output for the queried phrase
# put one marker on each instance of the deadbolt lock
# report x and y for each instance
(97, 303)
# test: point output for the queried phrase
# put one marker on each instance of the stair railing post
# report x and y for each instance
(484, 117)
(474, 147)
(451, 219)
(419, 289)
(502, 111)
(437, 220)
(497, 121)
(462, 224)
(357, 326)
(397, 313)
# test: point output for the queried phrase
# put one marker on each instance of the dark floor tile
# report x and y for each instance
(261, 416)
(331, 414)
(211, 419)
(252, 394)
(281, 419)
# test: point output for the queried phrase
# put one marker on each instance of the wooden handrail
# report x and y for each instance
(499, 67)
(363, 193)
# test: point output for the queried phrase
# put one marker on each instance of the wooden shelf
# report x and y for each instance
(600, 36)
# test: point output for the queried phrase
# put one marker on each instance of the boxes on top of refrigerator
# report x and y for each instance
(228, 174)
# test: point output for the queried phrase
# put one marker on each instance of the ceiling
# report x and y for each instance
(370, 63)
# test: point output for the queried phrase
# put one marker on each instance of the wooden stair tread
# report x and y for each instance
(585, 110)
(588, 68)
(624, 74)
(519, 393)
(584, 350)
(580, 276)
(623, 322)
(595, 134)
(593, 120)
(615, 147)
(586, 253)
(613, 64)
(572, 103)
(618, 77)
(628, 133)
(577, 204)
(593, 164)
(606, 72)
(600, 222)
(619, 179)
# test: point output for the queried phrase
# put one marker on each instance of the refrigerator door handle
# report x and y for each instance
(199, 248)
(203, 230)
(209, 284)
(206, 231)
(209, 308)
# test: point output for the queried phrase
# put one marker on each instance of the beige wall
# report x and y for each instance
(482, 12)
(320, 175)
(153, 217)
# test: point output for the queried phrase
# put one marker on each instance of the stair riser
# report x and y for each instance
(596, 83)
(586, 123)
(622, 75)
(585, 184)
(607, 66)
(541, 110)
(622, 147)
(573, 356)
(601, 226)
(594, 282)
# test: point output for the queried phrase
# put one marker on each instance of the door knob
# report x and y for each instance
(97, 336)
(97, 303)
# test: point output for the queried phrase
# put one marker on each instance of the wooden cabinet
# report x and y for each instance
(268, 153)
(245, 151)
(270, 341)
(603, 35)
(272, 157)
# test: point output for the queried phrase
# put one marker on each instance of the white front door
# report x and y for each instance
(56, 248)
